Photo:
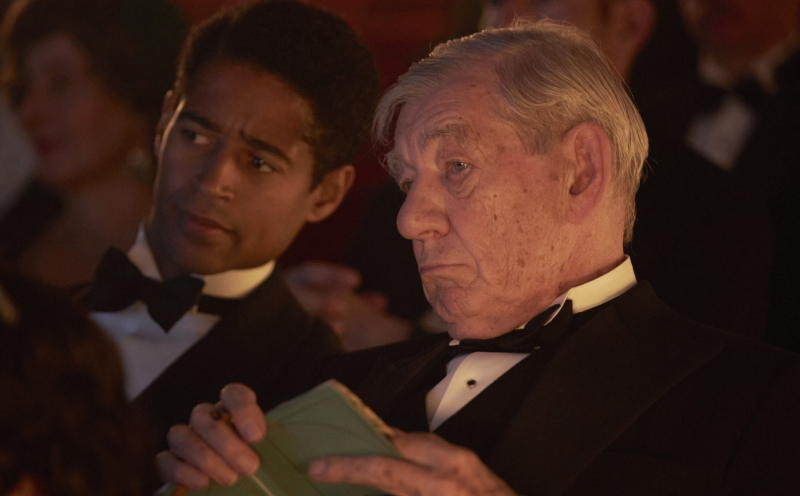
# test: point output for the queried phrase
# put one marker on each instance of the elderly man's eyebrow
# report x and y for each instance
(455, 130)
(392, 163)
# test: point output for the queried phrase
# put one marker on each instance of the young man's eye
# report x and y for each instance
(194, 137)
(261, 164)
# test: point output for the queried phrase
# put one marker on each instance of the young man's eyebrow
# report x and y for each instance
(265, 147)
(202, 121)
(250, 140)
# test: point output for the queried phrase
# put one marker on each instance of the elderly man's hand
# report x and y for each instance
(328, 291)
(215, 443)
(433, 467)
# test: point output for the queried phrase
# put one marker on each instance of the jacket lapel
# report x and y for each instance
(397, 392)
(610, 372)
(259, 341)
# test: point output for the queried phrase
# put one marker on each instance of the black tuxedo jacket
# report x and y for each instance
(638, 401)
(265, 339)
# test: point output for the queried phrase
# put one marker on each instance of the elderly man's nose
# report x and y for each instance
(422, 215)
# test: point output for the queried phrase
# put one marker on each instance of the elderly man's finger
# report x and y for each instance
(246, 415)
(172, 469)
(375, 300)
(320, 274)
(331, 305)
(310, 299)
(431, 450)
(187, 446)
(219, 435)
(393, 476)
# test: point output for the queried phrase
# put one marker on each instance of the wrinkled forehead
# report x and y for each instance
(448, 110)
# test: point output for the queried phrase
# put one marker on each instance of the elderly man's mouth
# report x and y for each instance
(434, 268)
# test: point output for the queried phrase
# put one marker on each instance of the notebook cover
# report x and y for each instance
(328, 420)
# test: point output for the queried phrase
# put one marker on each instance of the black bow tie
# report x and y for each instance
(748, 90)
(118, 284)
(523, 340)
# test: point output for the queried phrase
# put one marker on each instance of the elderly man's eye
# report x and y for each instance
(459, 166)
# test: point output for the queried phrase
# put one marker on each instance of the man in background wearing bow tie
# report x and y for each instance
(741, 110)
(520, 153)
(271, 104)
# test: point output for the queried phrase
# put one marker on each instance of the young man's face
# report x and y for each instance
(234, 178)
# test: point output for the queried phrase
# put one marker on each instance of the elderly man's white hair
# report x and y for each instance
(551, 77)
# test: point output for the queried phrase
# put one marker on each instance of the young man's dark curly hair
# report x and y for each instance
(313, 51)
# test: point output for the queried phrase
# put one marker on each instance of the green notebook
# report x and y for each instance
(328, 420)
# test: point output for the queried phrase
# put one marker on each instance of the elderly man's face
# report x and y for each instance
(485, 216)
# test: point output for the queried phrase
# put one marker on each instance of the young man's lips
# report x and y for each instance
(204, 222)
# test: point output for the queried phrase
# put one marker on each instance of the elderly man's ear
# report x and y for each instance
(588, 152)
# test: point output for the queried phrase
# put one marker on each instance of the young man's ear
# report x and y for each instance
(588, 149)
(168, 108)
(329, 193)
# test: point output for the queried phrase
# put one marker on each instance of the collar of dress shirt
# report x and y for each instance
(763, 69)
(598, 291)
(230, 284)
(595, 292)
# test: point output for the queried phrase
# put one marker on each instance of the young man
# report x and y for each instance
(269, 109)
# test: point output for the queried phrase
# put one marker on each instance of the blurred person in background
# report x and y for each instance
(66, 427)
(741, 110)
(87, 79)
(17, 158)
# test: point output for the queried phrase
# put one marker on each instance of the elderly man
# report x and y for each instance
(520, 153)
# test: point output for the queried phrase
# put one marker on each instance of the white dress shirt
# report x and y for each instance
(468, 375)
(721, 135)
(145, 348)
